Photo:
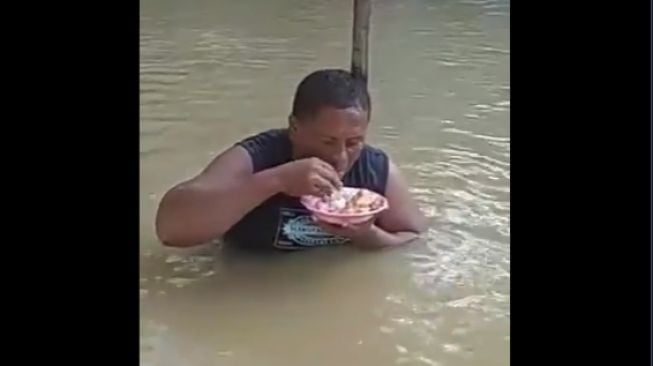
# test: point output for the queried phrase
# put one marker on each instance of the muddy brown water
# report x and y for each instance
(213, 71)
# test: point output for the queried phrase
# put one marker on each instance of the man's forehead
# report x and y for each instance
(350, 113)
(346, 130)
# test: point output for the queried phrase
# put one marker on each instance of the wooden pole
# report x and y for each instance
(361, 31)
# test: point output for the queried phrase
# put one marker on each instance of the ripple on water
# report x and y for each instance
(455, 261)
(176, 270)
(461, 181)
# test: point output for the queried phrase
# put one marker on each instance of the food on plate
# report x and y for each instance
(350, 201)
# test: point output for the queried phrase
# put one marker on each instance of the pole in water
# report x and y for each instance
(360, 44)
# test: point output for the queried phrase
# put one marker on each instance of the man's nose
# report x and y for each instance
(339, 160)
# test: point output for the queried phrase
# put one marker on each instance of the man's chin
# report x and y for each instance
(344, 172)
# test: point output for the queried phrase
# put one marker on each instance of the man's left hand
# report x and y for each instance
(357, 233)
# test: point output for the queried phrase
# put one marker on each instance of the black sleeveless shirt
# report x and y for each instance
(282, 221)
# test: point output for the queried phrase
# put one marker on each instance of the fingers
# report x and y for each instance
(327, 172)
(321, 186)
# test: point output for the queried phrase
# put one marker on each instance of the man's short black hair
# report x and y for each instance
(333, 88)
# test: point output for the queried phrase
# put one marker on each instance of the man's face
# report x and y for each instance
(336, 136)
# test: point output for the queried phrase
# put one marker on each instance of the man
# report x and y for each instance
(249, 194)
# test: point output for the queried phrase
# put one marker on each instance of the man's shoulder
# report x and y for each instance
(374, 152)
(267, 148)
(265, 137)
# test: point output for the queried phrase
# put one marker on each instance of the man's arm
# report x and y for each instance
(207, 206)
(403, 222)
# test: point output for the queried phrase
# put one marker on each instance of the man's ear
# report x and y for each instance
(292, 123)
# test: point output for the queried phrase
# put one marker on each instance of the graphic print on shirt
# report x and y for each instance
(297, 230)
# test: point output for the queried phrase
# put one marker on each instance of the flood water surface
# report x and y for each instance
(214, 71)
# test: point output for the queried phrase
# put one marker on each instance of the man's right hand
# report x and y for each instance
(311, 176)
